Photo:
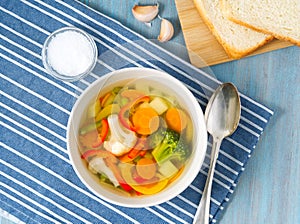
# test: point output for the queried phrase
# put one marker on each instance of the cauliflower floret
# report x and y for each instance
(115, 147)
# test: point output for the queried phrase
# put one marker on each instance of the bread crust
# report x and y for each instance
(231, 51)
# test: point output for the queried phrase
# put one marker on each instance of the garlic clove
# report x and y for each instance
(166, 30)
(145, 13)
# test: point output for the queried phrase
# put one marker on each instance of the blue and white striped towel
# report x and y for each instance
(38, 184)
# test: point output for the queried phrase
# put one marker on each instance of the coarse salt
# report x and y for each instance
(70, 53)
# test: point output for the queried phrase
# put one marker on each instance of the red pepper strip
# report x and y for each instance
(122, 117)
(126, 187)
(138, 147)
(138, 193)
(143, 153)
(102, 135)
(133, 153)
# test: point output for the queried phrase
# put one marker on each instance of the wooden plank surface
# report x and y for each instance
(201, 43)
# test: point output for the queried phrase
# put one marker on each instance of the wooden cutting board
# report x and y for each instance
(201, 44)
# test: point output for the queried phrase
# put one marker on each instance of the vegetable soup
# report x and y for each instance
(135, 138)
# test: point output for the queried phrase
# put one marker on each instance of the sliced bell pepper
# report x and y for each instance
(139, 146)
(139, 149)
(102, 135)
(125, 110)
(106, 111)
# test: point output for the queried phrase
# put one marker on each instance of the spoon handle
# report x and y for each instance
(202, 213)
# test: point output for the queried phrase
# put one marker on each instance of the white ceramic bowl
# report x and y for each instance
(167, 84)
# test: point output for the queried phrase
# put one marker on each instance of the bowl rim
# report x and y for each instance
(168, 193)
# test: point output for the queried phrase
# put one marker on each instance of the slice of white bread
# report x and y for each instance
(280, 18)
(237, 40)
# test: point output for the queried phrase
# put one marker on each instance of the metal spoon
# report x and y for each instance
(222, 116)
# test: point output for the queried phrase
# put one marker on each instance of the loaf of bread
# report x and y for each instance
(280, 18)
(237, 40)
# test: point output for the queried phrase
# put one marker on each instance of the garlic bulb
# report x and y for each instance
(145, 13)
(166, 30)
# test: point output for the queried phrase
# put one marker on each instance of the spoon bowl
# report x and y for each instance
(222, 116)
(223, 110)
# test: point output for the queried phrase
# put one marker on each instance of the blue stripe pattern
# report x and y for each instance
(38, 184)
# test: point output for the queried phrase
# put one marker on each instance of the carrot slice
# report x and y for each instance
(176, 119)
(145, 121)
(146, 168)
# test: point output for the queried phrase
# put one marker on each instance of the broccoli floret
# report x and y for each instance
(172, 147)
(157, 137)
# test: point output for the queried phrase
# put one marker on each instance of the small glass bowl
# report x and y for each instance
(64, 77)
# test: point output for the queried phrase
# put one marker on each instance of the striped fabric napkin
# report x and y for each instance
(38, 183)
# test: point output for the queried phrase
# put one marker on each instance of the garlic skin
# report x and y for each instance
(145, 13)
(166, 30)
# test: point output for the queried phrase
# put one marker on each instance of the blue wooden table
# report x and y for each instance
(268, 190)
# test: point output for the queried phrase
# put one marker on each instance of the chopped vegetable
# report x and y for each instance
(176, 119)
(174, 177)
(143, 87)
(97, 165)
(146, 168)
(132, 94)
(167, 169)
(188, 132)
(106, 111)
(145, 121)
(124, 112)
(159, 105)
(117, 173)
(104, 100)
(139, 146)
(138, 150)
(121, 140)
(141, 180)
(94, 109)
(90, 127)
(125, 136)
(156, 138)
(102, 135)
(171, 148)
(147, 189)
(115, 147)
(87, 155)
(87, 140)
(134, 140)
